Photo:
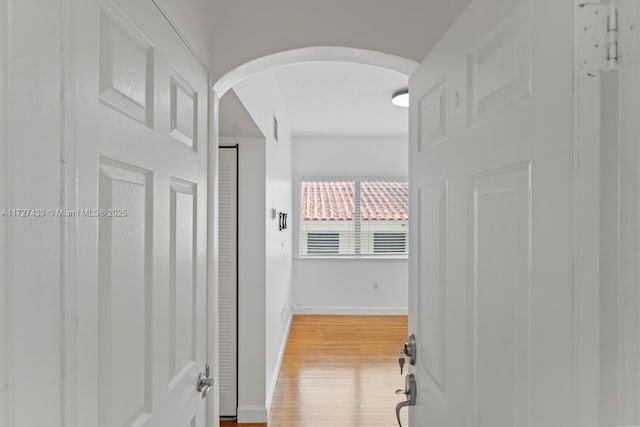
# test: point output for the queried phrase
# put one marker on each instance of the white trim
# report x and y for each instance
(313, 54)
(5, 307)
(366, 311)
(276, 372)
(586, 246)
(186, 32)
(351, 258)
(252, 414)
(213, 333)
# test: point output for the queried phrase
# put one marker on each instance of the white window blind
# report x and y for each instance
(323, 243)
(389, 243)
(353, 217)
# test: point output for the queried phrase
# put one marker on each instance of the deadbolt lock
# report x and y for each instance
(410, 349)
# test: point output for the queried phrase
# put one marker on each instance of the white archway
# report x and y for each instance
(313, 54)
(257, 412)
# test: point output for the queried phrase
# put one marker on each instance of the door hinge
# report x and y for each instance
(597, 36)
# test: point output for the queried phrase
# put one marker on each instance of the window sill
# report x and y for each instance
(347, 258)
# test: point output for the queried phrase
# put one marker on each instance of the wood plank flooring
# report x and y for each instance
(339, 371)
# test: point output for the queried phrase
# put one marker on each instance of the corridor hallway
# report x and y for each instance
(339, 371)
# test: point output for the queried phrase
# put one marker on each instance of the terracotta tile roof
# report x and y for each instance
(384, 200)
(327, 200)
(334, 200)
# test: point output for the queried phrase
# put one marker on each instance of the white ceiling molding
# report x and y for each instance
(313, 54)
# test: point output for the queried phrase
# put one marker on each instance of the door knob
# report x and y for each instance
(204, 382)
(410, 391)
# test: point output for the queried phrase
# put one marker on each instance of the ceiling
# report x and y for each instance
(243, 30)
(337, 98)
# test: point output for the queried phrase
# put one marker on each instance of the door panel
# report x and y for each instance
(500, 230)
(492, 170)
(433, 264)
(183, 290)
(141, 113)
(499, 67)
(125, 292)
(126, 67)
(184, 111)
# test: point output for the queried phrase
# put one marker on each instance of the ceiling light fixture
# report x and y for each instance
(400, 97)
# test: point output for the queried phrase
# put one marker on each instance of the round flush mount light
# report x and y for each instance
(400, 97)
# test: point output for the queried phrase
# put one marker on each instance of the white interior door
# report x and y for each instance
(495, 185)
(140, 114)
(228, 279)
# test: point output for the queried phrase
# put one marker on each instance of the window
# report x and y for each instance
(353, 217)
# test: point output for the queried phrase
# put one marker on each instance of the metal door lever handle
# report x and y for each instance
(399, 406)
(410, 391)
(205, 384)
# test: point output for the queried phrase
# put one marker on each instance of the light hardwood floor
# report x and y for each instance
(339, 371)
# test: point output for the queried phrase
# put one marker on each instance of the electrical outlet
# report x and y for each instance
(376, 286)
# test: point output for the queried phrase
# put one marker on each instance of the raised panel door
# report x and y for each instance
(141, 119)
(494, 183)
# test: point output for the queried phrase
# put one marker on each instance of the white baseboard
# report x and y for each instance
(252, 414)
(378, 311)
(276, 372)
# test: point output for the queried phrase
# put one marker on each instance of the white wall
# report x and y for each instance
(278, 252)
(350, 156)
(251, 277)
(261, 97)
(243, 30)
(363, 286)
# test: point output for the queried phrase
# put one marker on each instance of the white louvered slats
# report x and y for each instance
(227, 275)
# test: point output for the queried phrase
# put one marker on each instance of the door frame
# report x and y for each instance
(213, 335)
(31, 139)
(4, 202)
(586, 244)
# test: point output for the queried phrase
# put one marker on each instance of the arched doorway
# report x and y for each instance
(313, 54)
(288, 58)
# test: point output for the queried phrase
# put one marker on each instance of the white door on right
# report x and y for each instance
(492, 207)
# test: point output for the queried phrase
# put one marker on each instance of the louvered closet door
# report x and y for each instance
(228, 279)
